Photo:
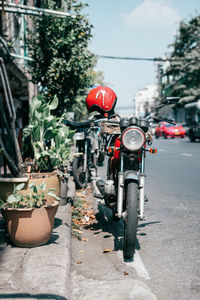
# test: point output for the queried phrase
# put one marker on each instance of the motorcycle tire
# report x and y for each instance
(131, 222)
(80, 176)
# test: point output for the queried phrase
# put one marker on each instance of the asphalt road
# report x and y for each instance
(169, 239)
(167, 261)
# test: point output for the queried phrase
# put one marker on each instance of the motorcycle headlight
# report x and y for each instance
(133, 138)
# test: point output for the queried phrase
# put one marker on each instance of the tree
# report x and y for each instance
(62, 64)
(184, 65)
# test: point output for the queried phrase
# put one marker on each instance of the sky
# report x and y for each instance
(134, 28)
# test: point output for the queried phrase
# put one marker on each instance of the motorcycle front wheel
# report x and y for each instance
(131, 221)
(80, 176)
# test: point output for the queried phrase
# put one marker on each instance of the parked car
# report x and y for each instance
(169, 130)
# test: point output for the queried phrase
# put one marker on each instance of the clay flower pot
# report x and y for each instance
(50, 178)
(7, 184)
(30, 227)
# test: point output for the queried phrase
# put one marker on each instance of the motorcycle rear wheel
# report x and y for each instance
(80, 176)
(131, 222)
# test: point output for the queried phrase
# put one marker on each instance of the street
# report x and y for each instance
(167, 261)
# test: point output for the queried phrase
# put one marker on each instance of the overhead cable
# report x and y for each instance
(155, 59)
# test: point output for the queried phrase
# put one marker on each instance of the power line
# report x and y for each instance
(155, 59)
(128, 58)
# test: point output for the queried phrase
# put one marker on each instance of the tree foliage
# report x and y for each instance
(62, 64)
(184, 67)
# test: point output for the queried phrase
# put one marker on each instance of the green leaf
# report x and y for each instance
(34, 188)
(54, 103)
(43, 186)
(39, 145)
(20, 186)
(53, 195)
(37, 155)
(13, 199)
(2, 204)
(46, 112)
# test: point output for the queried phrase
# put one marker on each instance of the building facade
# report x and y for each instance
(145, 100)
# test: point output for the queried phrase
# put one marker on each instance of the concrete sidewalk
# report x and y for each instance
(41, 272)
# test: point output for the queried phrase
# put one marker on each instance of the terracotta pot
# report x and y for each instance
(7, 185)
(30, 227)
(51, 180)
(63, 191)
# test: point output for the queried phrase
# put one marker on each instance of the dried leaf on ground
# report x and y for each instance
(78, 262)
(79, 231)
(85, 205)
(126, 273)
(78, 194)
(81, 251)
(84, 239)
(107, 250)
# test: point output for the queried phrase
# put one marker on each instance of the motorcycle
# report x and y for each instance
(88, 150)
(127, 142)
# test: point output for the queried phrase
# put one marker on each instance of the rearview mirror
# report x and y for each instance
(171, 100)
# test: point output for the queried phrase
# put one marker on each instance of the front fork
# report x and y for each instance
(141, 185)
(120, 191)
(142, 177)
(84, 157)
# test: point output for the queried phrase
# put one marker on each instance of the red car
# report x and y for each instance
(169, 130)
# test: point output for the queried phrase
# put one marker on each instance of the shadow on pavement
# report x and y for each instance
(107, 224)
(139, 233)
(29, 296)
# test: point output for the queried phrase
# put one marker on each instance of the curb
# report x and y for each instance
(41, 272)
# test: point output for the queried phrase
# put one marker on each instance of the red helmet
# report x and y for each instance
(101, 99)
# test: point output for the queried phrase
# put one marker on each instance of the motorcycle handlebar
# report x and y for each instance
(157, 119)
(76, 125)
(85, 124)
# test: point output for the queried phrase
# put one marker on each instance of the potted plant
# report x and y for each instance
(50, 142)
(46, 149)
(29, 216)
(47, 134)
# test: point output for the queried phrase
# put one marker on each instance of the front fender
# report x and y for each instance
(132, 175)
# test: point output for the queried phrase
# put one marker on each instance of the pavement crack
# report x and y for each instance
(22, 260)
(17, 274)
